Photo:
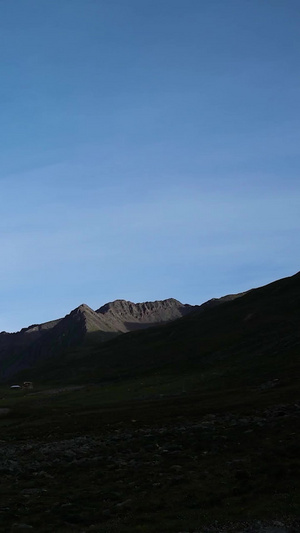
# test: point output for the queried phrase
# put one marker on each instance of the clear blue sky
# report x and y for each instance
(148, 149)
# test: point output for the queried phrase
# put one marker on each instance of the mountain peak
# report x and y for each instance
(82, 308)
(41, 341)
(131, 316)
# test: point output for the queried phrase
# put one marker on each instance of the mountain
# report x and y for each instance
(192, 425)
(126, 316)
(32, 345)
(241, 337)
(236, 335)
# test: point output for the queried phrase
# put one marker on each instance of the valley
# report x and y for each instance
(189, 426)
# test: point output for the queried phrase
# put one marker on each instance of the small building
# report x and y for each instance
(27, 385)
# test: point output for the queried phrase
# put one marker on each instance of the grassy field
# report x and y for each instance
(154, 453)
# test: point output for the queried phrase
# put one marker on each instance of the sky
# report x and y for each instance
(148, 149)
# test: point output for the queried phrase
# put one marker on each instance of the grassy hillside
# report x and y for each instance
(193, 426)
(253, 338)
(40, 342)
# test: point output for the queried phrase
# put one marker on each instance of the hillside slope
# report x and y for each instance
(190, 426)
(259, 331)
(33, 345)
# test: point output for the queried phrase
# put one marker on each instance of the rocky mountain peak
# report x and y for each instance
(41, 341)
(130, 316)
(83, 308)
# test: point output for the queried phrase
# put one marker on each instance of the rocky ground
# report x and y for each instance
(224, 472)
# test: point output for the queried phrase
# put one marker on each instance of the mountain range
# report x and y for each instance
(191, 424)
(39, 341)
(249, 330)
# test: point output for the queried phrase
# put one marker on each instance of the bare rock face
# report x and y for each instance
(128, 316)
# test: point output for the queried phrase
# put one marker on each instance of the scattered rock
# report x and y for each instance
(123, 504)
(20, 527)
(176, 468)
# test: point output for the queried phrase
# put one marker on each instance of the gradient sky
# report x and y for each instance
(148, 149)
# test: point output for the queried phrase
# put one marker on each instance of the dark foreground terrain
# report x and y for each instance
(192, 426)
(119, 459)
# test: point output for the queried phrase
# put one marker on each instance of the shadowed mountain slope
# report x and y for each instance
(246, 337)
(40, 341)
(190, 426)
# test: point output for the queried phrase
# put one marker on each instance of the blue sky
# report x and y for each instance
(149, 149)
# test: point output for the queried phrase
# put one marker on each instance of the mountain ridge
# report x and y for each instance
(132, 316)
(251, 337)
(176, 332)
(40, 341)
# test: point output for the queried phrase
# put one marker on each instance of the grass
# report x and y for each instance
(158, 458)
